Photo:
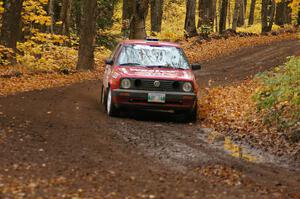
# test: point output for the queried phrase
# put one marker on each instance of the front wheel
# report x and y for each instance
(191, 116)
(102, 97)
(110, 107)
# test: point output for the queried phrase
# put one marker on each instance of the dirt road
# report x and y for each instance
(59, 143)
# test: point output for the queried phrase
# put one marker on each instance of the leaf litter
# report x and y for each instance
(232, 112)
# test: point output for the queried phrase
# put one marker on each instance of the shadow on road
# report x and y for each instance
(154, 116)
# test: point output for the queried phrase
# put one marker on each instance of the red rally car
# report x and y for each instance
(148, 74)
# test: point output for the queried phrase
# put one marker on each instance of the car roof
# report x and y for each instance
(150, 43)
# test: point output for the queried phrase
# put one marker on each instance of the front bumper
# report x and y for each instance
(138, 99)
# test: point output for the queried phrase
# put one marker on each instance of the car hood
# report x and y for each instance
(160, 73)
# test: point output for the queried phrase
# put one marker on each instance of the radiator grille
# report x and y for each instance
(149, 85)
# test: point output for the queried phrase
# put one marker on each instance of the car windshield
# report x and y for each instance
(153, 56)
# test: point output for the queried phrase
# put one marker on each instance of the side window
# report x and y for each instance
(115, 52)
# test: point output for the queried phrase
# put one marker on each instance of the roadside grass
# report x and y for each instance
(278, 98)
(263, 112)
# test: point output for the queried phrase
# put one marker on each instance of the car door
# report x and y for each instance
(109, 67)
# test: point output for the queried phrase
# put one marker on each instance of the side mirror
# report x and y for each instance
(109, 62)
(196, 67)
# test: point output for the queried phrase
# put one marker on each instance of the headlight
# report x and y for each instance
(125, 83)
(187, 87)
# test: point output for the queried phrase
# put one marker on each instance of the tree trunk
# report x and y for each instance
(289, 12)
(215, 18)
(218, 14)
(264, 15)
(127, 11)
(76, 16)
(223, 15)
(283, 13)
(298, 19)
(106, 11)
(11, 27)
(138, 20)
(87, 36)
(65, 16)
(207, 11)
(156, 15)
(251, 15)
(190, 19)
(267, 15)
(236, 14)
(241, 18)
(51, 14)
(245, 6)
(229, 13)
(280, 13)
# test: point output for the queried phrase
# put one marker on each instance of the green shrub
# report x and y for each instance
(278, 97)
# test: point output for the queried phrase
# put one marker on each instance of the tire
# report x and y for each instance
(191, 116)
(111, 110)
(102, 96)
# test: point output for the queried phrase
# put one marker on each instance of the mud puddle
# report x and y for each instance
(240, 150)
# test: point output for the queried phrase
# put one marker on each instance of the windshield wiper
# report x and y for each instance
(166, 66)
(161, 66)
(130, 64)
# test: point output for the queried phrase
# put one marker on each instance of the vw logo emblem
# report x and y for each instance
(156, 84)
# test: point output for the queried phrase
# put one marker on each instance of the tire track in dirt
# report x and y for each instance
(183, 147)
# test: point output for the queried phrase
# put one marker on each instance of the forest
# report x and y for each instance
(56, 140)
(33, 31)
